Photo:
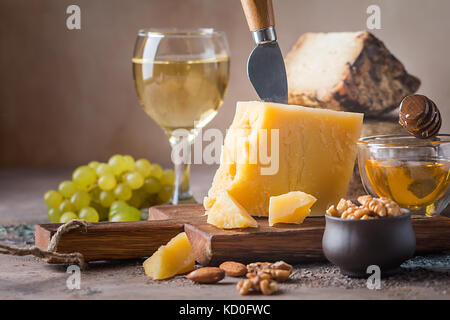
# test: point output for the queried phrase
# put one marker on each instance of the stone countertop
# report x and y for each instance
(21, 207)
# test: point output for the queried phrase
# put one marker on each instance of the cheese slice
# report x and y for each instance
(226, 213)
(176, 257)
(291, 207)
(311, 149)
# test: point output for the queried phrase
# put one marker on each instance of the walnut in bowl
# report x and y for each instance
(370, 208)
(377, 233)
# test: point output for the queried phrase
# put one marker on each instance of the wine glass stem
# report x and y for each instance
(181, 191)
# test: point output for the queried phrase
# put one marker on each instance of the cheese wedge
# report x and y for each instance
(226, 213)
(311, 149)
(349, 71)
(291, 207)
(176, 257)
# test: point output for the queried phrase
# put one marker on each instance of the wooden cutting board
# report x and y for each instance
(292, 243)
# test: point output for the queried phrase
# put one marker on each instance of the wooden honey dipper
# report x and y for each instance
(420, 116)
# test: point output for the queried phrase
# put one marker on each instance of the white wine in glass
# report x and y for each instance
(181, 77)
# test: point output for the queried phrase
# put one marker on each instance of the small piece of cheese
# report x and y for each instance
(176, 257)
(310, 149)
(291, 207)
(226, 213)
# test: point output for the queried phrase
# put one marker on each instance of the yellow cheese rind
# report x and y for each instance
(317, 149)
(291, 207)
(226, 213)
(176, 257)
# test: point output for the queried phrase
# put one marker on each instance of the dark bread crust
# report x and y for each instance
(373, 84)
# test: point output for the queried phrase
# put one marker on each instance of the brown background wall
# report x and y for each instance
(67, 97)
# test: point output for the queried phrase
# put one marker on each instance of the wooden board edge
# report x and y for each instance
(168, 211)
(138, 237)
(201, 244)
(42, 236)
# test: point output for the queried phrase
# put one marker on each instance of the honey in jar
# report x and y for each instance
(412, 184)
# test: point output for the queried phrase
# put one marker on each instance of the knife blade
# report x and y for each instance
(265, 66)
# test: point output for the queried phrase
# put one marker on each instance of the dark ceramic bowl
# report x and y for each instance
(353, 245)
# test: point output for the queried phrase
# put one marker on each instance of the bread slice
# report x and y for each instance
(348, 71)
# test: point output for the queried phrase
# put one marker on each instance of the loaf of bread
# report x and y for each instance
(349, 71)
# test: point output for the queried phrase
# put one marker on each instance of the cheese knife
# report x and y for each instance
(265, 67)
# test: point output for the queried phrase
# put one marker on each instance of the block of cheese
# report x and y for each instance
(311, 149)
(226, 213)
(291, 207)
(351, 71)
(176, 257)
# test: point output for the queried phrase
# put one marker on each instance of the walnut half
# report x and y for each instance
(264, 277)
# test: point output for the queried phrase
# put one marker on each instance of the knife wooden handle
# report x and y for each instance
(259, 13)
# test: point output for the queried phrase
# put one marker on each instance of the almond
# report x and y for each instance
(234, 269)
(206, 275)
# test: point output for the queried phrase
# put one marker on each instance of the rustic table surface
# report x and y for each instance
(21, 207)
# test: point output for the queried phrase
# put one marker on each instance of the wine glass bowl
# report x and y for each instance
(181, 77)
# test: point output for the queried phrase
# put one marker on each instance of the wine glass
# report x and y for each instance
(181, 77)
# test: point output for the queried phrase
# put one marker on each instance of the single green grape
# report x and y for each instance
(168, 177)
(106, 198)
(156, 171)
(117, 163)
(89, 214)
(129, 163)
(67, 188)
(135, 180)
(80, 199)
(135, 213)
(66, 206)
(67, 216)
(123, 192)
(143, 166)
(118, 204)
(107, 182)
(126, 214)
(119, 217)
(152, 185)
(93, 164)
(165, 193)
(53, 198)
(112, 213)
(54, 214)
(103, 169)
(84, 176)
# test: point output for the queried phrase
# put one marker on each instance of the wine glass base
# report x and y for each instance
(183, 198)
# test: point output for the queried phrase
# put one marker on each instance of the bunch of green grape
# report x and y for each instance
(114, 191)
